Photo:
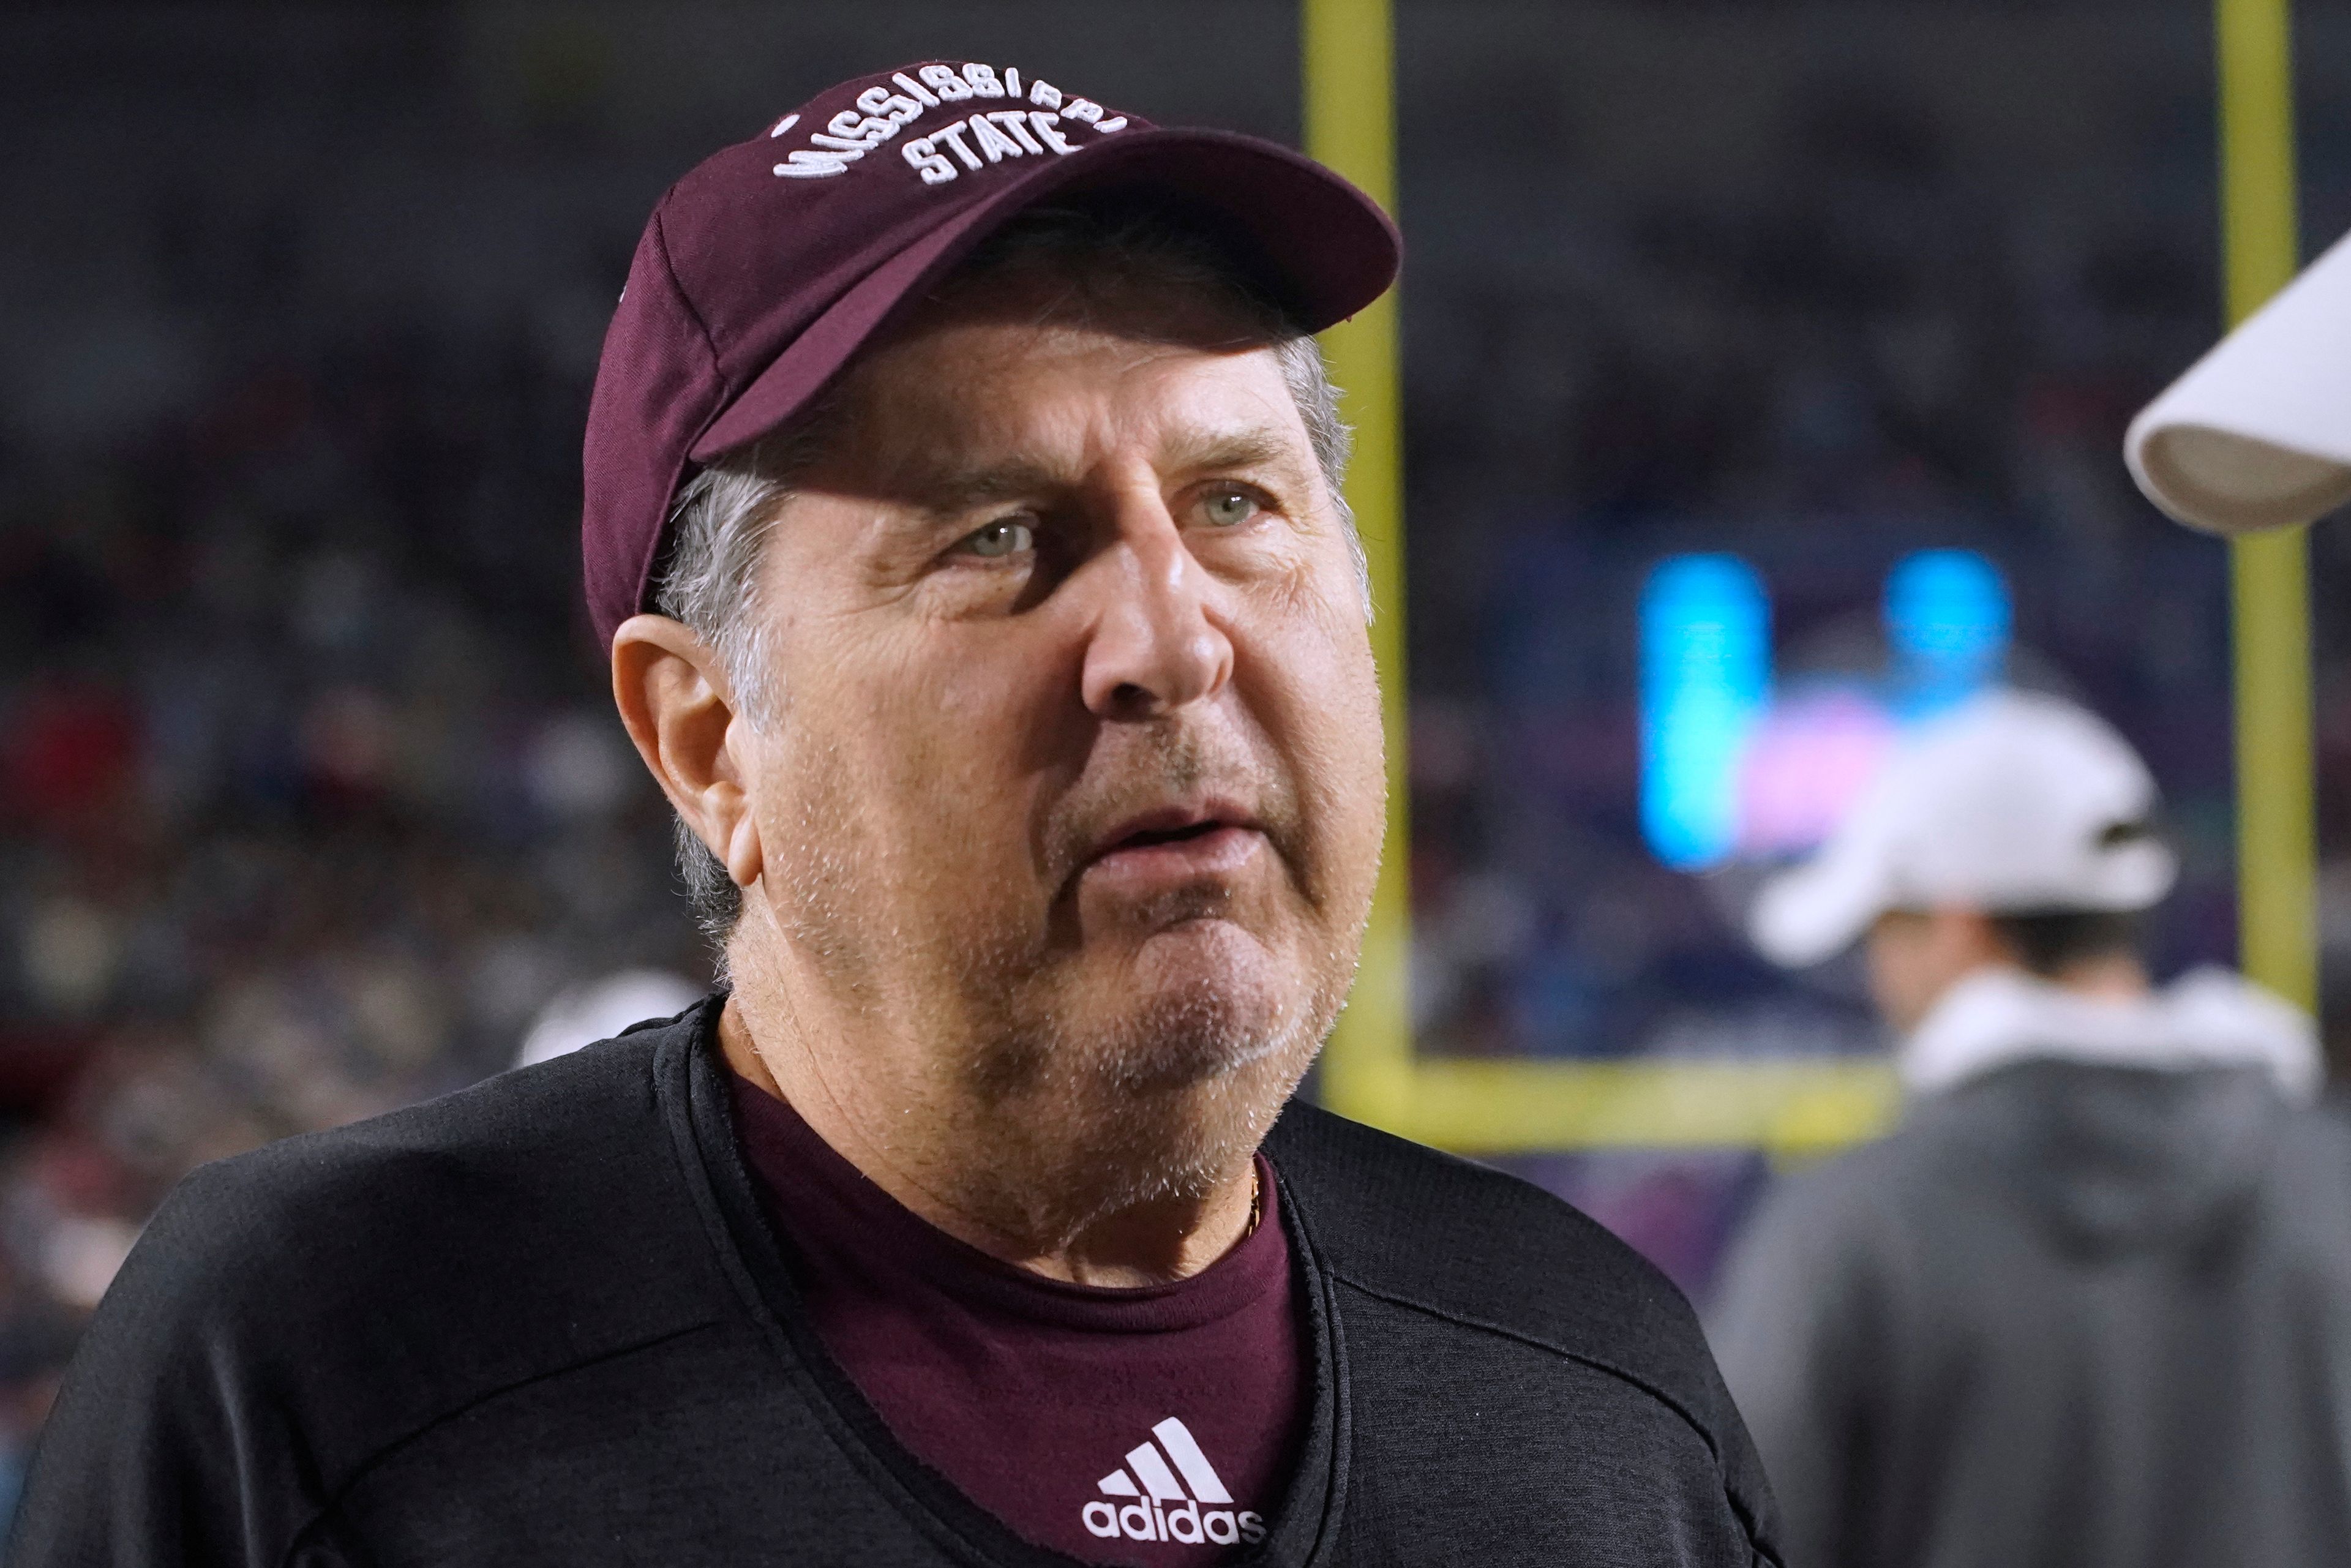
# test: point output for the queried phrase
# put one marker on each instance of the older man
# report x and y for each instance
(963, 519)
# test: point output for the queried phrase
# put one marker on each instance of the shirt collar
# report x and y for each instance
(2209, 1018)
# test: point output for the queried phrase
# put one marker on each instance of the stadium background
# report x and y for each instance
(311, 793)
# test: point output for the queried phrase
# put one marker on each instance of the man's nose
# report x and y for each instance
(1155, 644)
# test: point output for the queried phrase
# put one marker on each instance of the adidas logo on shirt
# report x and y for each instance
(1161, 1507)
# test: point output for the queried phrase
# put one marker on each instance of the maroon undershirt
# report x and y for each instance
(1103, 1423)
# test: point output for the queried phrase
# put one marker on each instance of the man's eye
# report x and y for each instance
(1008, 537)
(1228, 508)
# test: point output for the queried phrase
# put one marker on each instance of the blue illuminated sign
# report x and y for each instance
(1947, 624)
(1726, 768)
(1706, 673)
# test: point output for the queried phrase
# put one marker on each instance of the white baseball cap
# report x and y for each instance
(2257, 433)
(2012, 803)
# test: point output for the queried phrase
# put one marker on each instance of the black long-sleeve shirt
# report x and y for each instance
(543, 1321)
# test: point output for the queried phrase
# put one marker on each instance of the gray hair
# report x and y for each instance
(709, 576)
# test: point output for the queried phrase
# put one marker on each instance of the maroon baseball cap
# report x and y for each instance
(762, 271)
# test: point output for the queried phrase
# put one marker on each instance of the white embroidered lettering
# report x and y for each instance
(807, 166)
(1047, 127)
(975, 141)
(944, 82)
(894, 107)
(992, 141)
(1217, 1524)
(786, 123)
(1016, 122)
(1252, 1527)
(924, 156)
(953, 136)
(1107, 1523)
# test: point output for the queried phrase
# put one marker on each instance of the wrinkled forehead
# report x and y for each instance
(1027, 371)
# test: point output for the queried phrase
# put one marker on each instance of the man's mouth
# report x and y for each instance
(1145, 838)
(1176, 844)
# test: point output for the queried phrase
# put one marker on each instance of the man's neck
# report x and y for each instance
(932, 1162)
(2108, 977)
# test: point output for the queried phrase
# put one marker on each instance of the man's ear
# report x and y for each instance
(674, 698)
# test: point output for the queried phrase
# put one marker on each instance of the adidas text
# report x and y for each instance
(1179, 1496)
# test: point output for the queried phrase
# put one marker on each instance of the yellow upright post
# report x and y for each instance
(2277, 884)
(1348, 50)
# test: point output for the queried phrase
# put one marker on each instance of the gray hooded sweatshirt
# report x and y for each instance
(2088, 1307)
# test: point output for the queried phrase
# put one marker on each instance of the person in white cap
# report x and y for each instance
(2257, 433)
(2090, 1304)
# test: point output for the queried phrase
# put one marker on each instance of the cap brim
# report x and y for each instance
(1323, 248)
(2257, 433)
(1809, 915)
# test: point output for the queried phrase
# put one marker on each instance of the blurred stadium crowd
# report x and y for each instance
(312, 793)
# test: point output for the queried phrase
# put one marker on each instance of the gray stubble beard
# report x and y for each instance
(1164, 1107)
(1163, 1103)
